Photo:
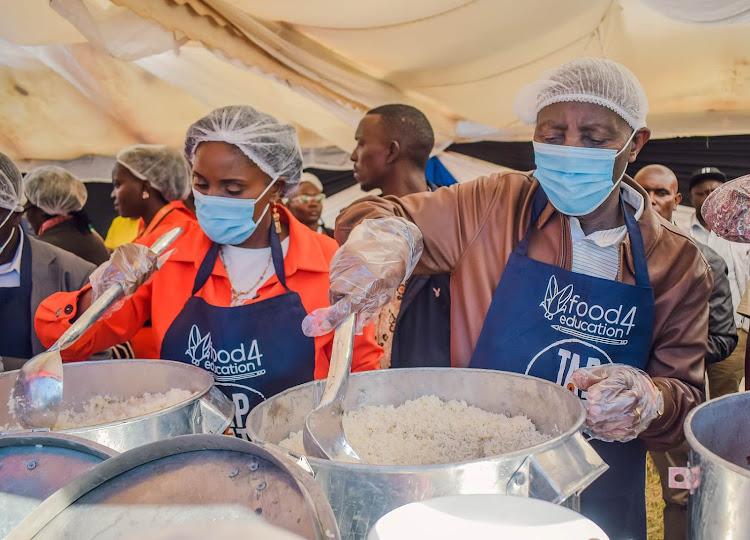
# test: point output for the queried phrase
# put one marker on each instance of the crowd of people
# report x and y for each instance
(573, 272)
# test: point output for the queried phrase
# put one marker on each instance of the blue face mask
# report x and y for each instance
(575, 179)
(226, 220)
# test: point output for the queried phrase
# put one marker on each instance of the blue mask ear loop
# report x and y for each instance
(12, 232)
(265, 211)
(630, 139)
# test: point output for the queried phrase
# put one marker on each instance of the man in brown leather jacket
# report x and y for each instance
(579, 282)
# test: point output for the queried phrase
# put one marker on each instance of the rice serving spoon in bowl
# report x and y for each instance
(323, 435)
(36, 398)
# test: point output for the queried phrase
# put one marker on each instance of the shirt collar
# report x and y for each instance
(614, 236)
(695, 224)
(15, 264)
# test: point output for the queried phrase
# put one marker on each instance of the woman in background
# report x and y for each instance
(306, 204)
(149, 182)
(54, 209)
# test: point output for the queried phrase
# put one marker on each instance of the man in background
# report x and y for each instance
(393, 145)
(661, 185)
(723, 378)
(30, 271)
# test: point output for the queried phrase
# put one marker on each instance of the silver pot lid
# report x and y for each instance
(182, 480)
(35, 464)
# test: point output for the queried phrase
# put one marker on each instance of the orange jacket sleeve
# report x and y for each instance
(53, 317)
(367, 353)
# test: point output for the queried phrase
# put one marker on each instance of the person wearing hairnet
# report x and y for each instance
(149, 182)
(564, 273)
(305, 203)
(232, 296)
(30, 271)
(54, 209)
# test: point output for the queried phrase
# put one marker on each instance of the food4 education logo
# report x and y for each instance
(572, 315)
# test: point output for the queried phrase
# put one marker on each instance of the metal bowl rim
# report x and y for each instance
(401, 469)
(197, 395)
(56, 439)
(700, 448)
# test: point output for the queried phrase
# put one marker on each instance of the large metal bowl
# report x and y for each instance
(206, 411)
(360, 494)
(718, 433)
(194, 479)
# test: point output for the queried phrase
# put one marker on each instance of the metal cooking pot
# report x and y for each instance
(35, 465)
(208, 410)
(360, 494)
(718, 472)
(192, 479)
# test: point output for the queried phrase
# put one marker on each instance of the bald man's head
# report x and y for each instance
(661, 185)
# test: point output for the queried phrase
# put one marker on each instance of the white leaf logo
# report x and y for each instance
(555, 300)
(197, 343)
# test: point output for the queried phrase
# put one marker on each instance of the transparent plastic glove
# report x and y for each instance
(130, 264)
(367, 271)
(727, 210)
(621, 401)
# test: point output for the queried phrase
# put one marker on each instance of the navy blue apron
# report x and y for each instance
(254, 351)
(547, 321)
(15, 312)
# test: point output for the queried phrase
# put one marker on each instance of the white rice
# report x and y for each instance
(106, 409)
(428, 430)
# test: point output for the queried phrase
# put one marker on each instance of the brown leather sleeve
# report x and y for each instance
(677, 359)
(449, 218)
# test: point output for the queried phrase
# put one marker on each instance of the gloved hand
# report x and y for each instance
(366, 272)
(131, 265)
(621, 401)
(726, 210)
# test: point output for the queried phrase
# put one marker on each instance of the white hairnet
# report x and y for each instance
(310, 178)
(55, 191)
(11, 185)
(591, 80)
(271, 145)
(164, 167)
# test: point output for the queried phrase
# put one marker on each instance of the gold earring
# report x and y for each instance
(276, 219)
(145, 195)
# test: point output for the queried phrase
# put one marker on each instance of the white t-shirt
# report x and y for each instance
(737, 257)
(245, 266)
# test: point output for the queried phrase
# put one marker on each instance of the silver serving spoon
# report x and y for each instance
(323, 435)
(38, 390)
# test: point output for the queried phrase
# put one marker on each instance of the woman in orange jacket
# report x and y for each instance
(149, 182)
(233, 293)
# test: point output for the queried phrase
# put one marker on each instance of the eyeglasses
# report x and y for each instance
(304, 199)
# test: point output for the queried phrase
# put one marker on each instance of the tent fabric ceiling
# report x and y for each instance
(90, 76)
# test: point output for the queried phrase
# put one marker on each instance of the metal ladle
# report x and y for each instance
(323, 435)
(38, 390)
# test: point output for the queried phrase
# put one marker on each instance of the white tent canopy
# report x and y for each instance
(91, 76)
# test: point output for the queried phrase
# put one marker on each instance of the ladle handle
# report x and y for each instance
(341, 360)
(108, 298)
